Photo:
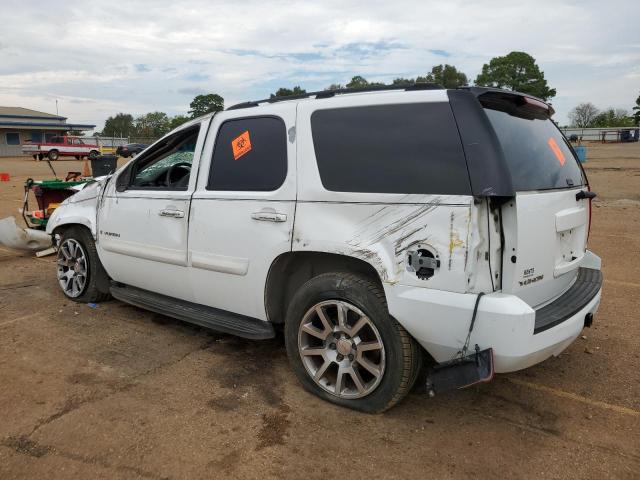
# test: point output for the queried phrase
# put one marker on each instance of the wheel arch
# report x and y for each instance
(59, 229)
(291, 269)
(68, 222)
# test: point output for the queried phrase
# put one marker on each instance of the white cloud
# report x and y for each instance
(136, 56)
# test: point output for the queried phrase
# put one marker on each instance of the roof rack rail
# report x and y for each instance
(339, 91)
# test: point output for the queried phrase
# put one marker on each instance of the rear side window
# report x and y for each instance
(536, 152)
(405, 148)
(250, 155)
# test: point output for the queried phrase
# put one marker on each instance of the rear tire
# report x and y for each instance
(53, 155)
(336, 355)
(93, 154)
(81, 275)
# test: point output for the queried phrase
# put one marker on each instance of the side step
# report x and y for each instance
(209, 317)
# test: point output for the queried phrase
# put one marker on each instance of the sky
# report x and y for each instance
(100, 58)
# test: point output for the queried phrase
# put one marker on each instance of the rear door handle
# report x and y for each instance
(269, 215)
(171, 213)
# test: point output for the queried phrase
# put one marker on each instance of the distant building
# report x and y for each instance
(20, 125)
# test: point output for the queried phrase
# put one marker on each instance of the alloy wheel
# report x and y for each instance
(341, 349)
(72, 267)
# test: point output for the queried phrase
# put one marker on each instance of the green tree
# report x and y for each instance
(203, 104)
(120, 125)
(446, 75)
(516, 71)
(335, 86)
(613, 118)
(636, 112)
(357, 82)
(153, 124)
(403, 82)
(178, 120)
(287, 92)
(361, 82)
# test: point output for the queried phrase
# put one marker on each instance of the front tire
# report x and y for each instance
(53, 155)
(81, 275)
(345, 347)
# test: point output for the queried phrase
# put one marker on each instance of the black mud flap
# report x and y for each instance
(461, 372)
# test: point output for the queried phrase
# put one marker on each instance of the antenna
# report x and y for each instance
(51, 167)
(57, 107)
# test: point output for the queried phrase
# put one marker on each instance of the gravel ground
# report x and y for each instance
(119, 392)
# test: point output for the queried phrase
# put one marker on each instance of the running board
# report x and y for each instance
(209, 317)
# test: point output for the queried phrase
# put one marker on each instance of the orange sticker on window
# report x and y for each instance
(556, 150)
(241, 145)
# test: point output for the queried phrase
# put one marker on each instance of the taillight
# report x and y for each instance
(590, 207)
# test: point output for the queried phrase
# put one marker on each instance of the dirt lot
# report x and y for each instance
(118, 392)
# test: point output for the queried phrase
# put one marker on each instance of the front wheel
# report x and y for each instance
(345, 347)
(93, 154)
(81, 275)
(53, 155)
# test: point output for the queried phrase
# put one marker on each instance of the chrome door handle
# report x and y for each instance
(269, 216)
(171, 213)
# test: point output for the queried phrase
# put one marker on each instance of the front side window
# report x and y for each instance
(13, 138)
(404, 148)
(250, 154)
(168, 164)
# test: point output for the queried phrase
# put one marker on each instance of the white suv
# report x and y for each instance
(377, 228)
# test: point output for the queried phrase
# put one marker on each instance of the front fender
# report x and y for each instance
(78, 213)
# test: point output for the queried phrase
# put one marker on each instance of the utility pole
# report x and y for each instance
(56, 106)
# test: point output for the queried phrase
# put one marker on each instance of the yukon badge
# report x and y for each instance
(528, 277)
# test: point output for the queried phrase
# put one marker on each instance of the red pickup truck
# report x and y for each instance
(62, 146)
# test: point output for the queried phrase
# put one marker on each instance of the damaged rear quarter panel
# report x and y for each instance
(381, 234)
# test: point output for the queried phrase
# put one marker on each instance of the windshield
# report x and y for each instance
(538, 155)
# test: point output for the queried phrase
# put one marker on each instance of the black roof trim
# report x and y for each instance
(340, 91)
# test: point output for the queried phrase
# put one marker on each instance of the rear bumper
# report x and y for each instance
(439, 321)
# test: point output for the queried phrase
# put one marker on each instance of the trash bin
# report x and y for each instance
(104, 165)
(625, 136)
(581, 152)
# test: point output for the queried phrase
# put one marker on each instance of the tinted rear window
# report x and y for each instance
(537, 154)
(406, 148)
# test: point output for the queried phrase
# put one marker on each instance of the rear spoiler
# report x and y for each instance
(515, 103)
